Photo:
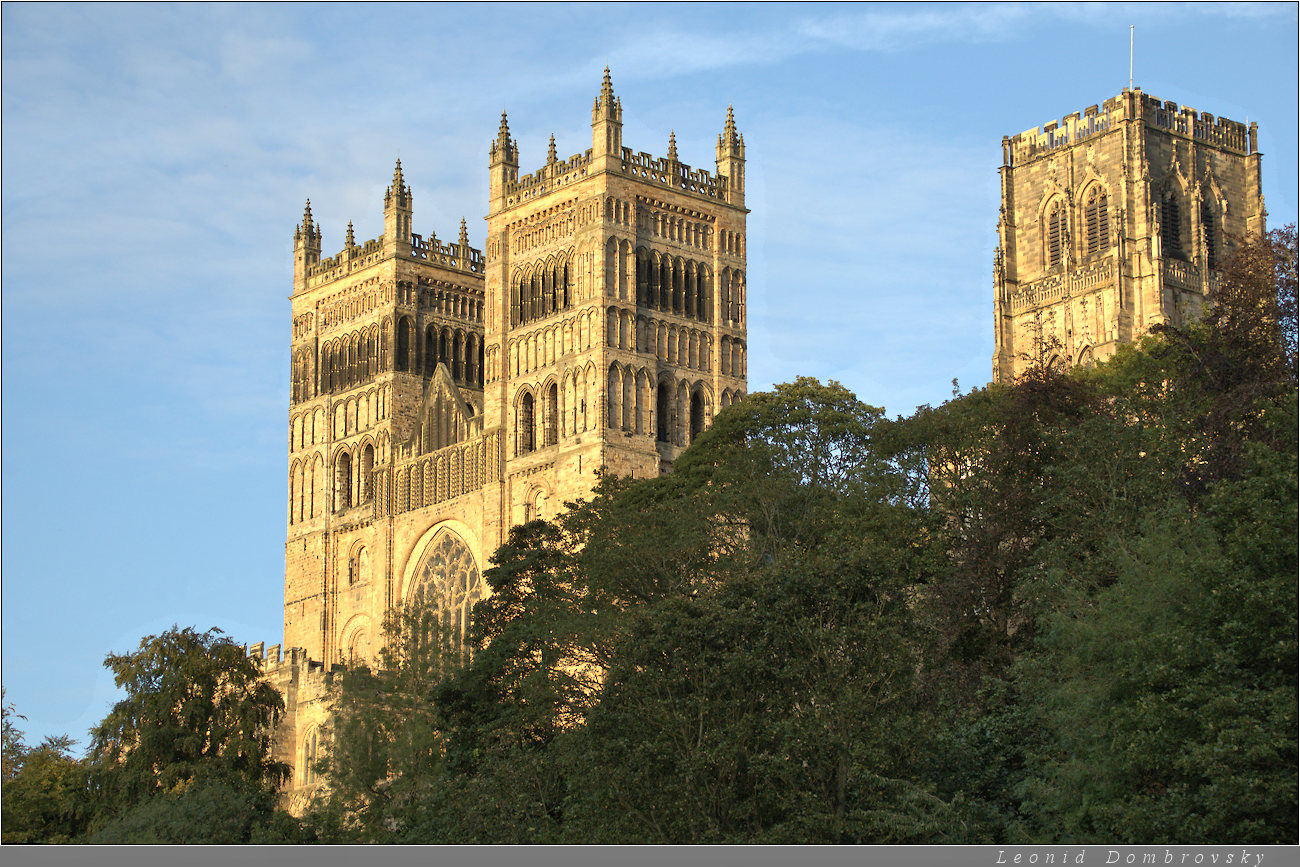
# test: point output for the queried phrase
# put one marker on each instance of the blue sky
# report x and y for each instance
(156, 159)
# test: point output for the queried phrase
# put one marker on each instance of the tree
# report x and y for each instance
(43, 787)
(384, 755)
(12, 748)
(197, 713)
(768, 696)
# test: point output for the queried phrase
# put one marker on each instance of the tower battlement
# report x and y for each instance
(293, 666)
(668, 172)
(547, 178)
(1133, 104)
(453, 255)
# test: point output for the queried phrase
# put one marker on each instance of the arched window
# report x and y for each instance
(359, 567)
(342, 482)
(367, 473)
(525, 432)
(1170, 226)
(551, 415)
(1056, 234)
(1096, 221)
(727, 317)
(1208, 227)
(310, 755)
(642, 278)
(662, 414)
(447, 583)
(430, 355)
(403, 360)
(697, 414)
(614, 399)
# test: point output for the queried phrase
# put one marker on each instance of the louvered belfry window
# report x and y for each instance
(1207, 225)
(1055, 234)
(1097, 220)
(1170, 236)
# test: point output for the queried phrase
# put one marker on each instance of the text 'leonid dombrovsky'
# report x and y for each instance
(1117, 856)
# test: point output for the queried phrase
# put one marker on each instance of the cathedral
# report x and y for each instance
(441, 394)
(1113, 221)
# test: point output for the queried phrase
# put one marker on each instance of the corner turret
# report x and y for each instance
(503, 164)
(731, 160)
(606, 128)
(397, 213)
(306, 248)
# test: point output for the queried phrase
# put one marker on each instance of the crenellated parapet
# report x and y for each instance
(293, 666)
(1131, 105)
(549, 177)
(1228, 135)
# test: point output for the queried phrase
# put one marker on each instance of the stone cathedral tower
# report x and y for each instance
(441, 395)
(1113, 221)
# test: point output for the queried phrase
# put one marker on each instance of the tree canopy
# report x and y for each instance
(1062, 609)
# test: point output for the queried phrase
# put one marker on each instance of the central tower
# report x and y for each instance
(615, 326)
(1114, 221)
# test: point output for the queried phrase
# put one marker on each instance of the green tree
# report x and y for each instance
(12, 748)
(44, 787)
(768, 697)
(197, 717)
(384, 756)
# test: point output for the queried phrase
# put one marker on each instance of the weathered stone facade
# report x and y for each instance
(1115, 220)
(441, 395)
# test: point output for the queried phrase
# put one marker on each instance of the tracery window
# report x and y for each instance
(310, 755)
(448, 582)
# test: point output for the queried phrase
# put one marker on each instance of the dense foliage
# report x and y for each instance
(1062, 609)
(1058, 610)
(183, 758)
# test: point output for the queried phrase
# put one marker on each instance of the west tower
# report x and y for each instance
(615, 327)
(1115, 220)
(386, 367)
(440, 395)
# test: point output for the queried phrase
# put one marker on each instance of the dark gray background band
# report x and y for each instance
(652, 856)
